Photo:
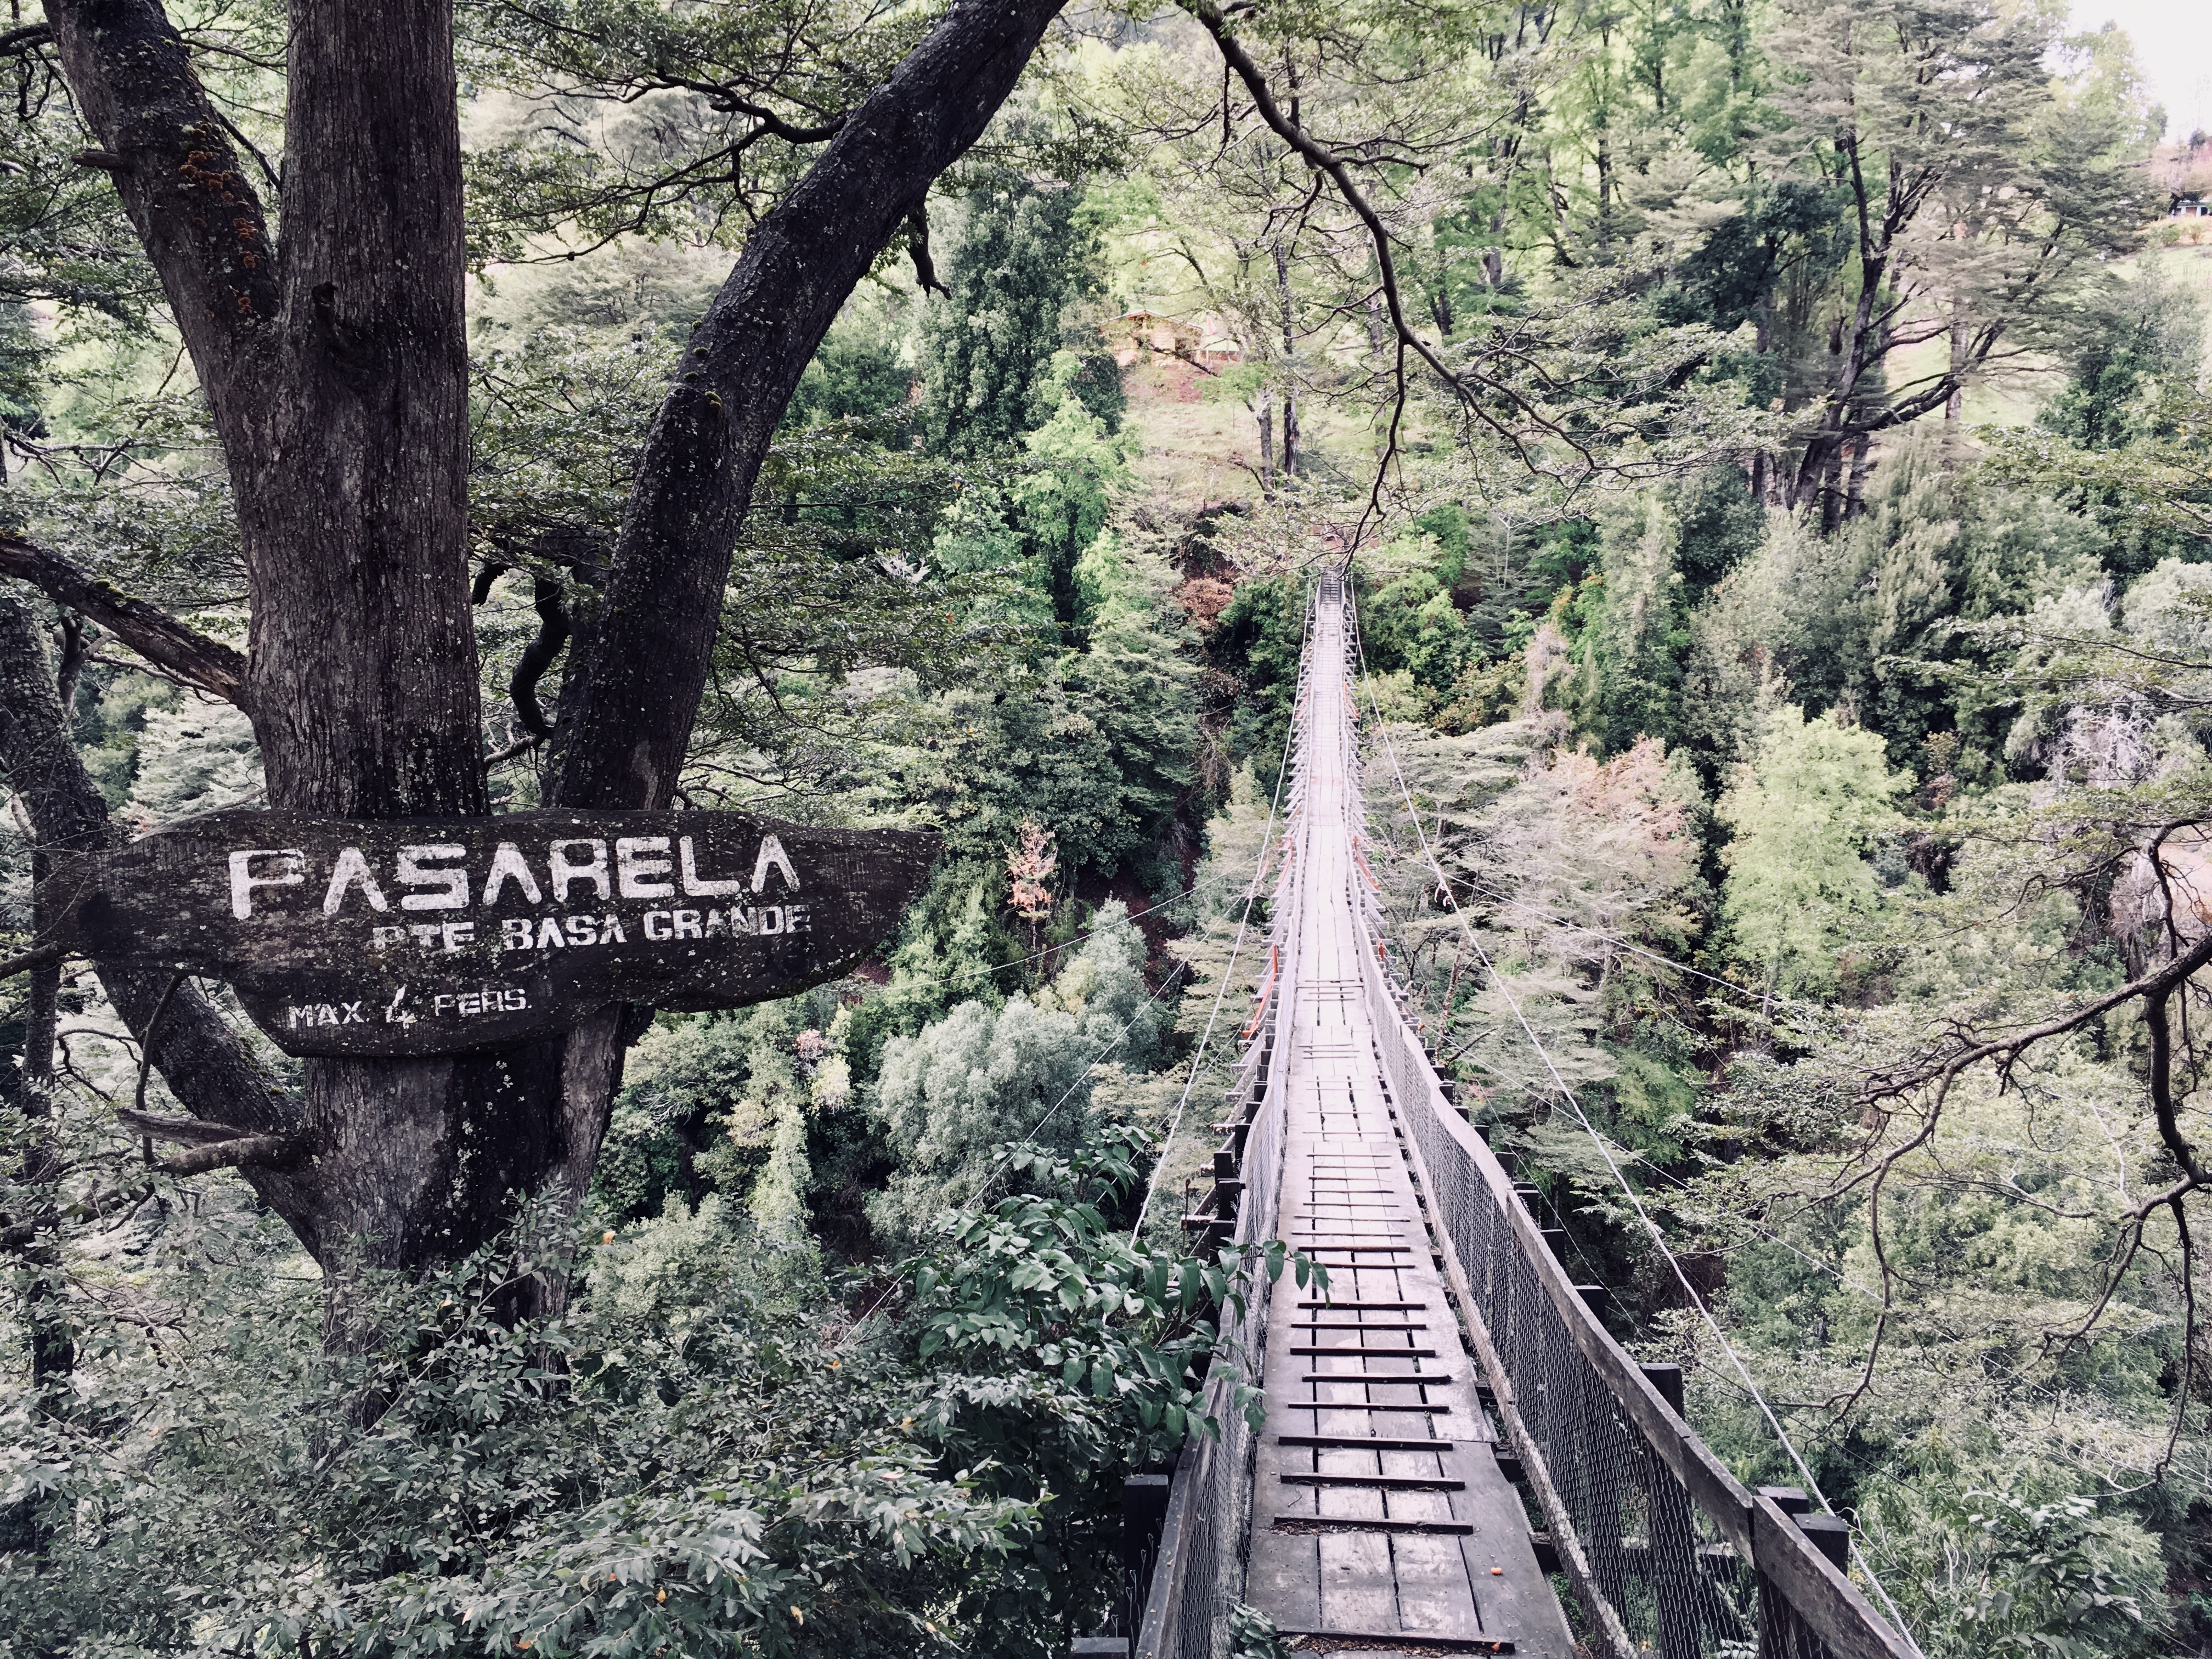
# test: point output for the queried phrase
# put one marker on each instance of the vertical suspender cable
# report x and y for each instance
(1636, 1201)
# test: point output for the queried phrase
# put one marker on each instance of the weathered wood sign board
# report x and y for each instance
(457, 935)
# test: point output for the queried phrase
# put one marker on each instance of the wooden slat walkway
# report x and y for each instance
(1381, 1522)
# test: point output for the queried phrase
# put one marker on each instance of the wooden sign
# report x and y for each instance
(456, 935)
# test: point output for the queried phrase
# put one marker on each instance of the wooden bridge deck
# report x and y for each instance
(1381, 1521)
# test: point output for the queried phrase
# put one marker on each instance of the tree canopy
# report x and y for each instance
(1768, 442)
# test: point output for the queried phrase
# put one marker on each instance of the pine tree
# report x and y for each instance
(1022, 255)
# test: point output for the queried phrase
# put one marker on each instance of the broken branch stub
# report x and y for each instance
(415, 936)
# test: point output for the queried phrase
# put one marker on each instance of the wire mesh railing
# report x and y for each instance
(1666, 1551)
(1198, 1571)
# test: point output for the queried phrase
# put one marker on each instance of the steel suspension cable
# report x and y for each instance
(1567, 1094)
(1251, 893)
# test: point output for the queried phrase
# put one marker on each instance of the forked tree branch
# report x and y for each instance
(2152, 988)
(1940, 1071)
(201, 221)
(1325, 161)
(151, 632)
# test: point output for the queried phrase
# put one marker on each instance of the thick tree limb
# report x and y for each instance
(638, 663)
(353, 512)
(214, 1145)
(645, 667)
(201, 222)
(184, 1131)
(208, 1070)
(37, 958)
(266, 1152)
(151, 632)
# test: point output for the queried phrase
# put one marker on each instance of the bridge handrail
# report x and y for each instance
(1614, 1439)
(1198, 1570)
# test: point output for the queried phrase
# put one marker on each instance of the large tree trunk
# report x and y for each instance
(354, 516)
(348, 451)
(336, 369)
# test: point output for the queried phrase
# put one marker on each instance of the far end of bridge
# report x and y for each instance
(1456, 1457)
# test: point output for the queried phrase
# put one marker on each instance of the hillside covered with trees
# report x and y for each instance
(1771, 441)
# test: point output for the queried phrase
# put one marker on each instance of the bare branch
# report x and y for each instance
(1320, 157)
(1940, 1071)
(2158, 983)
(184, 1131)
(268, 1151)
(151, 632)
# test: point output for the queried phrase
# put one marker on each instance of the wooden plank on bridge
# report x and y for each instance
(1379, 1513)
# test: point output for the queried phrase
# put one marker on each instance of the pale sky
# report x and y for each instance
(2174, 46)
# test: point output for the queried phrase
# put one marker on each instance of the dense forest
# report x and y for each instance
(1771, 445)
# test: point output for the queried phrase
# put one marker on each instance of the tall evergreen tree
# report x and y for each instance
(1023, 253)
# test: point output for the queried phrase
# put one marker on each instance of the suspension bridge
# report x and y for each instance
(1456, 1457)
